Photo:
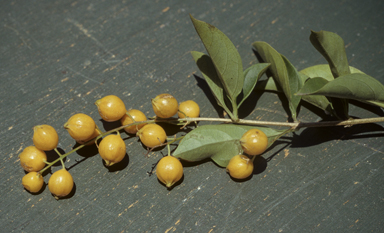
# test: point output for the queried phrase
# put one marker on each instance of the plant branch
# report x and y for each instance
(295, 125)
(292, 125)
(346, 123)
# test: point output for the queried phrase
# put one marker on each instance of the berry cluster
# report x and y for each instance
(112, 148)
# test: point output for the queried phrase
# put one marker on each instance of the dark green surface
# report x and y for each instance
(58, 57)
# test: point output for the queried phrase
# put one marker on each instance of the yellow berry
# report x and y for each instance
(133, 115)
(45, 137)
(188, 108)
(96, 133)
(169, 170)
(60, 183)
(112, 149)
(111, 108)
(240, 167)
(152, 135)
(32, 159)
(165, 105)
(33, 182)
(80, 126)
(254, 142)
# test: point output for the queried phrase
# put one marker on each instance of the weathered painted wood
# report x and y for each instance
(58, 57)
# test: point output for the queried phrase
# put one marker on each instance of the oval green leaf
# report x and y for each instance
(356, 86)
(331, 46)
(283, 73)
(224, 56)
(338, 108)
(252, 75)
(295, 84)
(313, 84)
(205, 65)
(317, 100)
(324, 71)
(218, 142)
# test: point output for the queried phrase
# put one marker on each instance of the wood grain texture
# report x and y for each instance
(58, 57)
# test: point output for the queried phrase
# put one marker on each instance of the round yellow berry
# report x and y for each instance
(60, 183)
(33, 182)
(45, 137)
(254, 142)
(80, 126)
(112, 149)
(188, 108)
(152, 135)
(131, 116)
(111, 108)
(240, 167)
(169, 170)
(165, 105)
(32, 159)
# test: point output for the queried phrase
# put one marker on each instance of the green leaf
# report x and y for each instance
(374, 103)
(324, 71)
(313, 84)
(252, 75)
(331, 46)
(321, 102)
(317, 100)
(218, 142)
(321, 70)
(224, 56)
(267, 85)
(205, 65)
(321, 75)
(283, 73)
(295, 84)
(356, 86)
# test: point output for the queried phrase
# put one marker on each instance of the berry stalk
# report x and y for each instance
(293, 126)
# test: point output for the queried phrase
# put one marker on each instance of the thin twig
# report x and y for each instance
(292, 125)
(284, 124)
